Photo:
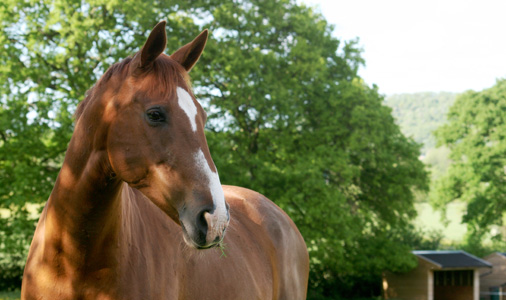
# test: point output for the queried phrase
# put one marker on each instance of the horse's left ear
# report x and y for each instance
(153, 47)
(190, 53)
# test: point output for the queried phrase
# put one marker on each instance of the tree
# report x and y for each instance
(345, 174)
(289, 117)
(476, 137)
(297, 124)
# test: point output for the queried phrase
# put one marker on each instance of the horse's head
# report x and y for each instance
(155, 138)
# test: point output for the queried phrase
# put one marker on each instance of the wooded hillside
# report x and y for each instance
(419, 114)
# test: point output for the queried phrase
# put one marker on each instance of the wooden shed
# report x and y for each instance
(493, 282)
(440, 275)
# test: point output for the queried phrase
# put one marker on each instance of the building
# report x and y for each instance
(493, 282)
(440, 275)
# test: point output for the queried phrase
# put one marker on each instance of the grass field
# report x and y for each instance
(10, 295)
(428, 219)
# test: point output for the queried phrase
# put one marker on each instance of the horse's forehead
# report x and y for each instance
(186, 103)
(175, 97)
(149, 91)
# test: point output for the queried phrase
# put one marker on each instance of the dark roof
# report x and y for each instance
(452, 259)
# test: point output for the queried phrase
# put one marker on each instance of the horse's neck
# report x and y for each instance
(84, 209)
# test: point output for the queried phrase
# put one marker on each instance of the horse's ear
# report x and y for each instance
(154, 46)
(190, 53)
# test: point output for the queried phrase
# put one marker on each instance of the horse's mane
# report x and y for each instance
(168, 76)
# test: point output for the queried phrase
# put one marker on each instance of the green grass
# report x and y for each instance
(222, 247)
(429, 219)
(15, 295)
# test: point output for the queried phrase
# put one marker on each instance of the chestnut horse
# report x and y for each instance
(138, 209)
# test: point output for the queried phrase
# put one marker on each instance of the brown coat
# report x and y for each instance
(137, 211)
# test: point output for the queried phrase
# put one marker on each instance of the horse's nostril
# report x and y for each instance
(202, 226)
(208, 229)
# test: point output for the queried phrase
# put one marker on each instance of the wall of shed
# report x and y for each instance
(412, 285)
(494, 277)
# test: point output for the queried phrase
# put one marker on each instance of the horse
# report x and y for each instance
(138, 210)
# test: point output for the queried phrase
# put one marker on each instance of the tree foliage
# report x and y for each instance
(289, 117)
(476, 136)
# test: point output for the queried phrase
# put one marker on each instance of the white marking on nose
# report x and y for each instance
(218, 219)
(185, 101)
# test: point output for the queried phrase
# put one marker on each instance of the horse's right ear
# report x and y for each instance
(153, 47)
(190, 53)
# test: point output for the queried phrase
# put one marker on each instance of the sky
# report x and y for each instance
(418, 46)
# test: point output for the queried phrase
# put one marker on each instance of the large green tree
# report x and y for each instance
(289, 117)
(476, 136)
(297, 124)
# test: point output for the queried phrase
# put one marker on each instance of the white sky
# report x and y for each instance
(415, 46)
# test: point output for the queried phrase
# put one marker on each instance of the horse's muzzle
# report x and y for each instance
(207, 229)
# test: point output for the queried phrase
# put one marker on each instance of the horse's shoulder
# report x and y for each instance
(248, 201)
(276, 231)
(245, 203)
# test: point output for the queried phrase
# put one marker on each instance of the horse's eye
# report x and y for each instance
(155, 116)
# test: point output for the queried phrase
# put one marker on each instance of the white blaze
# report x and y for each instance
(219, 216)
(185, 101)
(218, 220)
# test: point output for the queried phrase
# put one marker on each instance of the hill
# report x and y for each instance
(419, 114)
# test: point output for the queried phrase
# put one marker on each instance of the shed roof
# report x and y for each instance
(452, 259)
(500, 254)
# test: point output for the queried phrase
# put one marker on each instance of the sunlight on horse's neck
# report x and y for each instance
(83, 209)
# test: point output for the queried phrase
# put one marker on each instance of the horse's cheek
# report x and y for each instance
(126, 156)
